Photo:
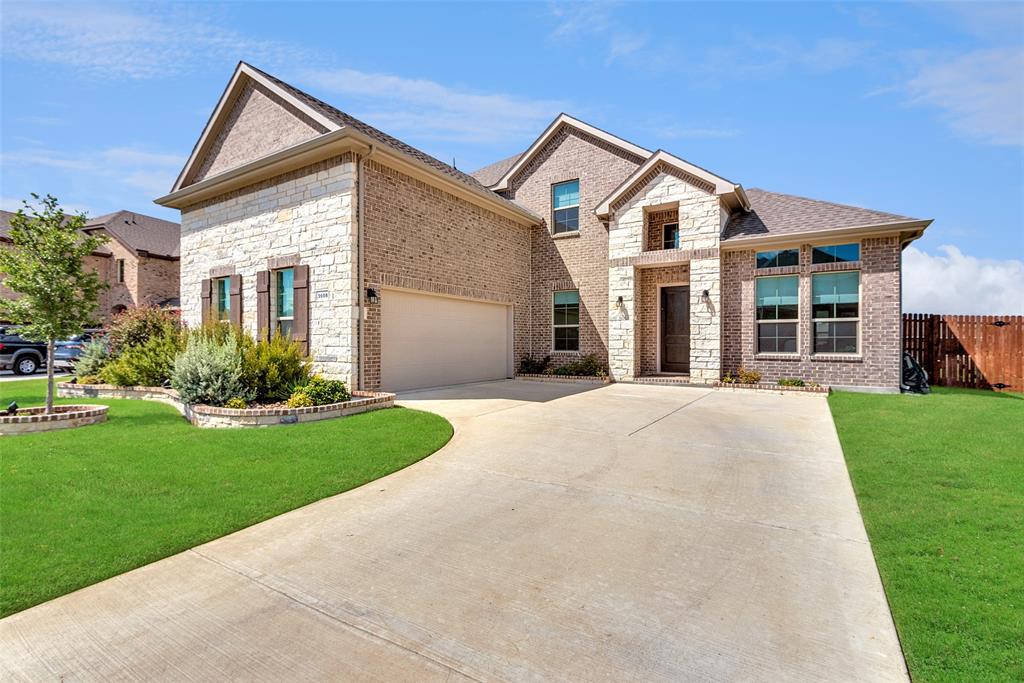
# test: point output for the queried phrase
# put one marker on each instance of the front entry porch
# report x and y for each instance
(663, 321)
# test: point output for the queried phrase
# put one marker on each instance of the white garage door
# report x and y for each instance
(429, 341)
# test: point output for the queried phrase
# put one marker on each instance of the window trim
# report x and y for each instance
(572, 206)
(119, 268)
(275, 318)
(666, 226)
(758, 321)
(579, 307)
(835, 243)
(215, 283)
(860, 303)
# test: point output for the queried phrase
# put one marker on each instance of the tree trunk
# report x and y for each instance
(49, 376)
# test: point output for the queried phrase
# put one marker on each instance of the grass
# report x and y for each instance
(940, 482)
(81, 505)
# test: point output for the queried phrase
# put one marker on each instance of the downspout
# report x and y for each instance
(361, 284)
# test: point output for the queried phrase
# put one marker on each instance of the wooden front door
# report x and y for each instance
(675, 329)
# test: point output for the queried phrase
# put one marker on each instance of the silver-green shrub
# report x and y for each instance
(210, 370)
(93, 358)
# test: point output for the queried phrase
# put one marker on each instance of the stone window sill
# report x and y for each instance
(837, 357)
(565, 235)
(566, 354)
(777, 356)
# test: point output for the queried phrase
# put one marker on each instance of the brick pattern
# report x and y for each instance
(878, 363)
(64, 417)
(260, 123)
(310, 212)
(423, 238)
(579, 260)
(655, 230)
(648, 311)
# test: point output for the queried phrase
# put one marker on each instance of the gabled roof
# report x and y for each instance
(341, 129)
(774, 215)
(489, 175)
(141, 234)
(561, 121)
(5, 229)
(715, 184)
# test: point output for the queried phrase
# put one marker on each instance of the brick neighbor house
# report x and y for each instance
(398, 271)
(139, 262)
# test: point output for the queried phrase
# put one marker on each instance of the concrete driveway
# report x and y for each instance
(567, 533)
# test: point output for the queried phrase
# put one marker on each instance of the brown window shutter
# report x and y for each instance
(300, 326)
(263, 304)
(235, 291)
(206, 295)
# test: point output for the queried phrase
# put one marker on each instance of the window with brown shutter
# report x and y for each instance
(263, 304)
(300, 326)
(206, 296)
(235, 309)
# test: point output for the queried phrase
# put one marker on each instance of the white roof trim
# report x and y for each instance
(224, 104)
(549, 132)
(912, 225)
(721, 185)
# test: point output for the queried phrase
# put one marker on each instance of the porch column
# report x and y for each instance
(705, 320)
(622, 323)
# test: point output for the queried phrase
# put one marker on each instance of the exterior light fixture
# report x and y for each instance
(619, 303)
(705, 296)
(371, 296)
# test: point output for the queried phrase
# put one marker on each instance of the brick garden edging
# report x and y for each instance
(64, 417)
(210, 416)
(767, 386)
(564, 378)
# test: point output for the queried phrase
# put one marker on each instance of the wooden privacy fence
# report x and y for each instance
(981, 351)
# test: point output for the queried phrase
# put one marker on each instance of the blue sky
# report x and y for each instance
(917, 109)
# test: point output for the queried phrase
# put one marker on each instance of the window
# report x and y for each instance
(565, 205)
(778, 311)
(836, 253)
(120, 270)
(670, 236)
(284, 301)
(222, 296)
(835, 306)
(566, 321)
(779, 257)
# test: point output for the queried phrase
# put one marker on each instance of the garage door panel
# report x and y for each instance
(431, 341)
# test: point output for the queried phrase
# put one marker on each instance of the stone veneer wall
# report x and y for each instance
(878, 364)
(307, 214)
(574, 260)
(422, 238)
(699, 230)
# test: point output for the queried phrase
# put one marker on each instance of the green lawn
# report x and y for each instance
(940, 482)
(78, 506)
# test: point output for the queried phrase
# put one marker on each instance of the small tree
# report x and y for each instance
(58, 295)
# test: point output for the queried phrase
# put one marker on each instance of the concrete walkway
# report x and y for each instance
(567, 533)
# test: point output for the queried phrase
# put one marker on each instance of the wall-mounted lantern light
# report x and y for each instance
(371, 296)
(619, 303)
(705, 297)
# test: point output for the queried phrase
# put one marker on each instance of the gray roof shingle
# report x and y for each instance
(774, 213)
(492, 173)
(140, 232)
(5, 229)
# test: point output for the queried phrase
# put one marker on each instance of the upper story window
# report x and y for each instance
(566, 321)
(779, 257)
(778, 313)
(565, 207)
(222, 297)
(120, 270)
(836, 253)
(670, 236)
(284, 301)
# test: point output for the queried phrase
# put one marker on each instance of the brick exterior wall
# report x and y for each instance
(260, 123)
(578, 260)
(304, 216)
(648, 311)
(877, 365)
(656, 221)
(419, 237)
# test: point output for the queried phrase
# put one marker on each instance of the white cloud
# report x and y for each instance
(981, 93)
(625, 44)
(428, 109)
(954, 283)
(677, 132)
(580, 18)
(761, 56)
(137, 42)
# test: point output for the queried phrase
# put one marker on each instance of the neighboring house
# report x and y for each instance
(139, 261)
(398, 271)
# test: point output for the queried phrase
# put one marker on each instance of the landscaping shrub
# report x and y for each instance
(136, 326)
(273, 368)
(323, 391)
(748, 376)
(210, 371)
(791, 382)
(238, 403)
(533, 366)
(588, 366)
(727, 378)
(300, 399)
(149, 364)
(95, 355)
(89, 379)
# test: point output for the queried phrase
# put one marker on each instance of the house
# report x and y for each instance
(139, 261)
(397, 271)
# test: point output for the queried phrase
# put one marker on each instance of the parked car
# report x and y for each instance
(67, 352)
(23, 356)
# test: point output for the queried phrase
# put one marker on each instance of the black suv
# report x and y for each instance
(22, 356)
